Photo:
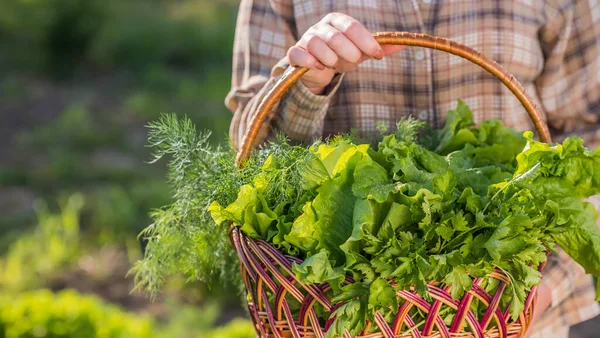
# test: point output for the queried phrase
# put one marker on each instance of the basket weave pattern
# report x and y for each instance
(271, 284)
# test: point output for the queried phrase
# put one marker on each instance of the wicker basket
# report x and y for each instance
(271, 285)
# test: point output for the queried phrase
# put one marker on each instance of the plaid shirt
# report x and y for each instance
(551, 46)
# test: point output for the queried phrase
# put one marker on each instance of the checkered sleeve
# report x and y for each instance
(569, 86)
(265, 30)
(301, 113)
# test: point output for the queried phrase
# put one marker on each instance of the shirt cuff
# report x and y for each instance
(312, 101)
(301, 113)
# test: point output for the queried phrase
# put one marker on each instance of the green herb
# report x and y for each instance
(424, 205)
(184, 238)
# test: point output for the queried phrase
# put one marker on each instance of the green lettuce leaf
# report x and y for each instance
(581, 240)
(318, 269)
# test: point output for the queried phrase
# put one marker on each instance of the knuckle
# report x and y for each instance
(352, 26)
(306, 37)
(312, 30)
(331, 16)
(335, 37)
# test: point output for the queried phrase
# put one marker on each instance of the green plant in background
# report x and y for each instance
(157, 56)
(187, 321)
(62, 28)
(68, 314)
(237, 328)
(53, 247)
(79, 154)
(36, 256)
(68, 142)
(111, 33)
(85, 76)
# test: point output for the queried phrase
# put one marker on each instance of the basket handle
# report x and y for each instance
(407, 39)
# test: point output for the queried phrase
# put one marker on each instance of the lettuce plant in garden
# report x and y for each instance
(423, 205)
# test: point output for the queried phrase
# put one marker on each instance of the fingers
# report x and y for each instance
(316, 45)
(341, 45)
(356, 33)
(298, 56)
(391, 49)
(338, 42)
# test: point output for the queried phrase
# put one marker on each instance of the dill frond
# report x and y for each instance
(183, 237)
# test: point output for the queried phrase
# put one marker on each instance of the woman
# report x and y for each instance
(552, 47)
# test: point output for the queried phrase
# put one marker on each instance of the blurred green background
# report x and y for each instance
(79, 80)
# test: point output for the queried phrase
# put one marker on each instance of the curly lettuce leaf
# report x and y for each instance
(318, 269)
(250, 210)
(581, 240)
(577, 167)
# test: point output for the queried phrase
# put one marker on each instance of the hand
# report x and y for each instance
(337, 43)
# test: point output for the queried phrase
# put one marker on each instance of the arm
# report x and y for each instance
(265, 30)
(569, 85)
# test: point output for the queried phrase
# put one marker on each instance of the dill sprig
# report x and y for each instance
(183, 237)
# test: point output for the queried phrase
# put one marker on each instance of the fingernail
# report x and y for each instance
(380, 54)
(319, 66)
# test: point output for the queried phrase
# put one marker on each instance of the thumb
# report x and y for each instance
(391, 49)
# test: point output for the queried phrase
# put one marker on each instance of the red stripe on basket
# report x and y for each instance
(434, 313)
(501, 318)
(253, 310)
(270, 317)
(276, 273)
(403, 317)
(383, 326)
(280, 297)
(471, 319)
(530, 298)
(247, 274)
(442, 297)
(463, 308)
(487, 318)
(290, 319)
(314, 320)
(254, 265)
(331, 319)
(237, 240)
(311, 289)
